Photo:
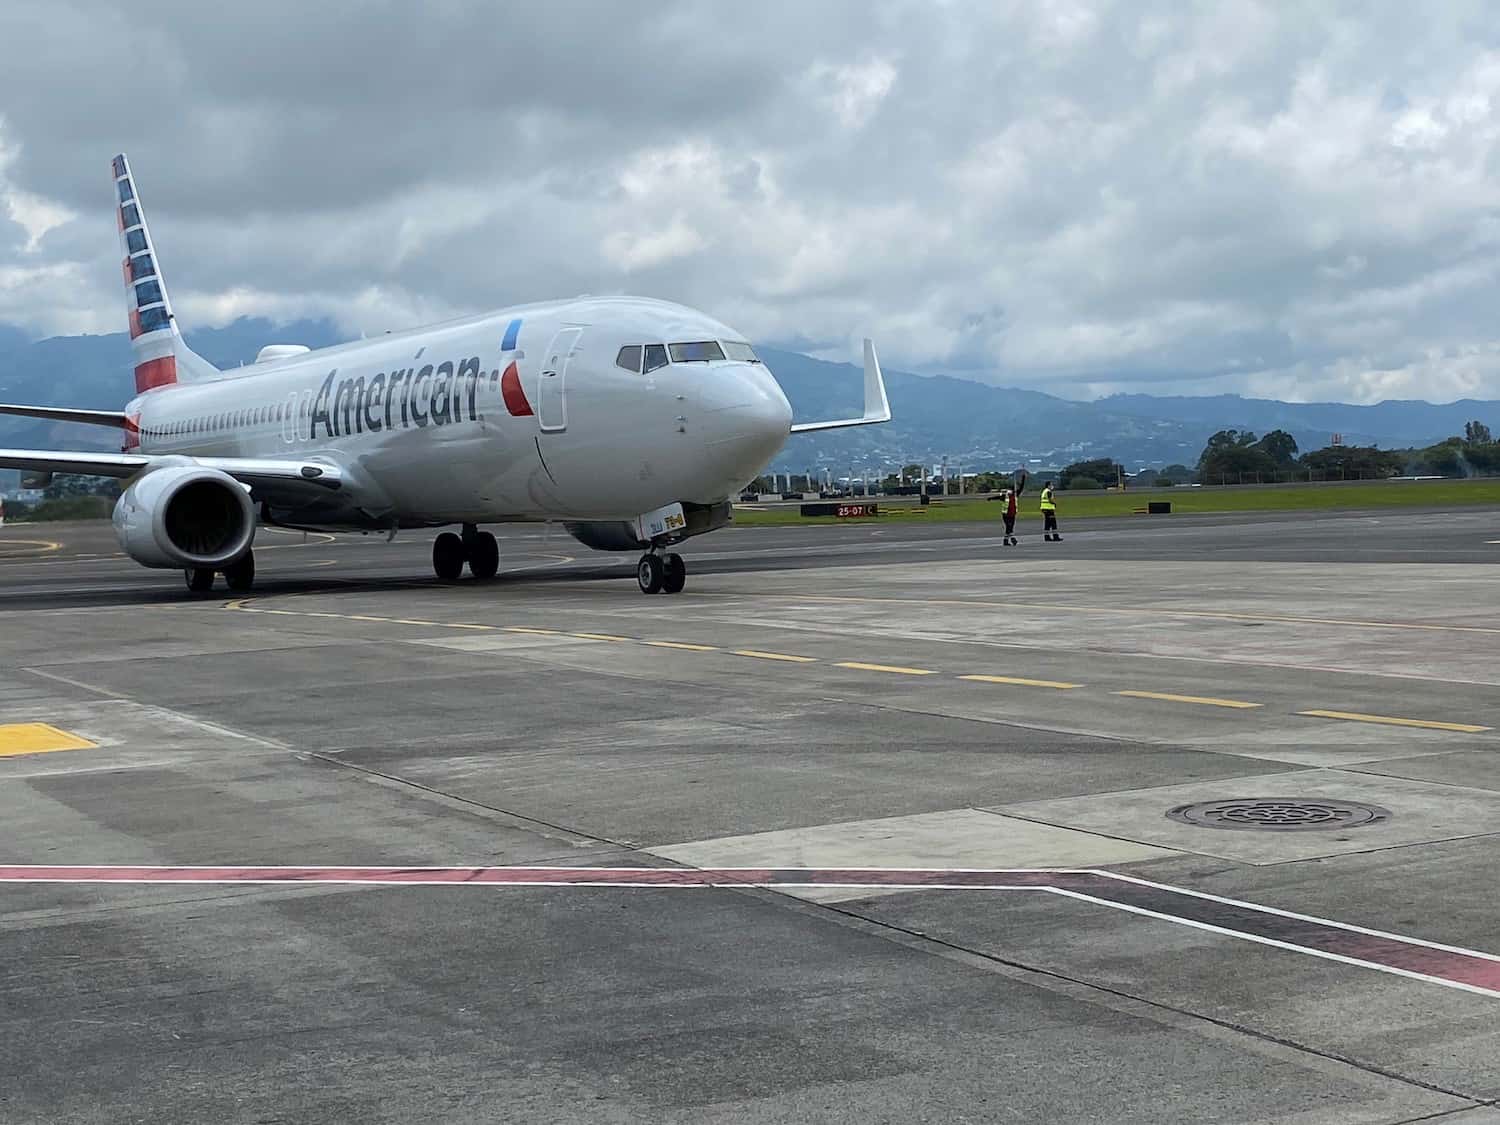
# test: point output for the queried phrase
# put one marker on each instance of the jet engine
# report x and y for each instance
(185, 517)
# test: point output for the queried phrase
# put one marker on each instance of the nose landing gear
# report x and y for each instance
(478, 548)
(661, 574)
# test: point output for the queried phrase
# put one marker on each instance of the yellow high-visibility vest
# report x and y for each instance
(1048, 504)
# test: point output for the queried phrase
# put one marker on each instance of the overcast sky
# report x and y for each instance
(1281, 200)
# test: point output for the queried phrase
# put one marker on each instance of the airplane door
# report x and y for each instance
(552, 403)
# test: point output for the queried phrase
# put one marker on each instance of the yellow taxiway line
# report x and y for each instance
(1394, 721)
(1200, 700)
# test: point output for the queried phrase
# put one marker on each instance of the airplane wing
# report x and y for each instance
(877, 407)
(66, 414)
(248, 470)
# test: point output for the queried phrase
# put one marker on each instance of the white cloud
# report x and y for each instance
(1207, 197)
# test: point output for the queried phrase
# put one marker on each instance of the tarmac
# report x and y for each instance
(870, 824)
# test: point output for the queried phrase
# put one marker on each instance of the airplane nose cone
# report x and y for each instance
(746, 419)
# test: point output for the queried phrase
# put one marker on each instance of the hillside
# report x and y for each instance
(981, 425)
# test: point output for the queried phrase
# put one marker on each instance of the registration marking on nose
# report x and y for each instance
(38, 738)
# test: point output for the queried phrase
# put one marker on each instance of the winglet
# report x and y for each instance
(877, 406)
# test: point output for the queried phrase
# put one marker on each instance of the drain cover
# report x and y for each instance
(1279, 814)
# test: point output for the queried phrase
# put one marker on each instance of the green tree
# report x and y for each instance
(1232, 455)
(1354, 462)
(1280, 447)
(1477, 433)
(1099, 469)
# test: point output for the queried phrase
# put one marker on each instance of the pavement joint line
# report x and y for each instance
(1199, 700)
(1468, 970)
(759, 655)
(1395, 721)
(1218, 615)
(1020, 681)
(895, 669)
(242, 605)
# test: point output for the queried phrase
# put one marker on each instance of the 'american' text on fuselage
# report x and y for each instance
(432, 395)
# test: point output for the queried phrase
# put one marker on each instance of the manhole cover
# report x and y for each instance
(1279, 814)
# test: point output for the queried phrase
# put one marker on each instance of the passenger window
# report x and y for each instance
(696, 351)
(656, 356)
(629, 358)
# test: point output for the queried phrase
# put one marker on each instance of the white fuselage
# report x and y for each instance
(519, 414)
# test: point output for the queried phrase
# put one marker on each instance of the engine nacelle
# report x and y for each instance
(183, 517)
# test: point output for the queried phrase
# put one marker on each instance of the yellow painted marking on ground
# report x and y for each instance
(1201, 700)
(894, 668)
(528, 629)
(45, 547)
(1393, 721)
(38, 738)
(682, 645)
(758, 655)
(599, 636)
(464, 625)
(1020, 681)
(415, 621)
(1212, 615)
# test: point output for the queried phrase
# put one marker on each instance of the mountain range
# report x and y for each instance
(936, 416)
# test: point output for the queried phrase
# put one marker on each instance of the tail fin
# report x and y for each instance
(161, 355)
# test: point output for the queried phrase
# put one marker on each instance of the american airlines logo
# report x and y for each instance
(433, 395)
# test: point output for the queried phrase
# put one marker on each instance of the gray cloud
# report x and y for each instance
(1081, 197)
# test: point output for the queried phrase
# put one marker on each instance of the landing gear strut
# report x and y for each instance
(478, 548)
(239, 576)
(661, 574)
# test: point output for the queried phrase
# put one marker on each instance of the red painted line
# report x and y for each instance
(1467, 969)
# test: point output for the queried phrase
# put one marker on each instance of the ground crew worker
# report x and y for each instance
(1009, 500)
(1049, 515)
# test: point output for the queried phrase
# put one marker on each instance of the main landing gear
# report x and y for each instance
(661, 574)
(478, 548)
(239, 576)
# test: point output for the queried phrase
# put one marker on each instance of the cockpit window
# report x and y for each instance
(698, 351)
(656, 356)
(741, 351)
(629, 358)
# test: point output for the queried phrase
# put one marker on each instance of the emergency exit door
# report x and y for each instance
(552, 399)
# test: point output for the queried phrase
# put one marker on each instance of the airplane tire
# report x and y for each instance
(674, 574)
(448, 556)
(484, 556)
(199, 581)
(239, 576)
(650, 573)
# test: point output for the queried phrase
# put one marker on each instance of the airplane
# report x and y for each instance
(632, 421)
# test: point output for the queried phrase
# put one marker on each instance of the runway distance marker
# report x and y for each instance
(894, 669)
(1467, 970)
(1020, 681)
(38, 738)
(1396, 721)
(1200, 700)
